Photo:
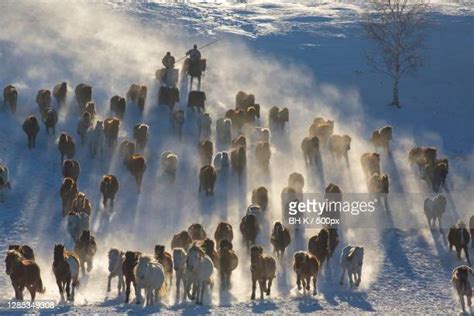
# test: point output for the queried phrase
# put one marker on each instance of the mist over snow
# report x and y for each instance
(305, 55)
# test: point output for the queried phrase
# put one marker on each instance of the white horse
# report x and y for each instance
(460, 280)
(96, 138)
(76, 223)
(116, 259)
(221, 161)
(435, 207)
(224, 130)
(169, 164)
(150, 276)
(179, 266)
(204, 123)
(351, 260)
(4, 181)
(199, 268)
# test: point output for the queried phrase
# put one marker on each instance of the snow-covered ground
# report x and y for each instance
(306, 55)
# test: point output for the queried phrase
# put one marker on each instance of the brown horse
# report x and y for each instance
(23, 273)
(10, 97)
(140, 135)
(117, 106)
(68, 194)
(111, 130)
(71, 169)
(263, 269)
(224, 231)
(109, 187)
(227, 261)
(207, 179)
(86, 248)
(128, 266)
(136, 164)
(260, 197)
(197, 232)
(458, 237)
(164, 258)
(318, 246)
(249, 229)
(181, 240)
(66, 270)
(280, 239)
(31, 128)
(66, 146)
(60, 93)
(306, 266)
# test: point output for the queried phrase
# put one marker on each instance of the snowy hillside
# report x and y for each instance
(305, 55)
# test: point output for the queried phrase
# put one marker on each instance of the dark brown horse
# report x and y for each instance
(66, 270)
(131, 260)
(86, 248)
(23, 273)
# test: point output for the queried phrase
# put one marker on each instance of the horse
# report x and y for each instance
(458, 237)
(111, 130)
(280, 239)
(263, 269)
(81, 204)
(306, 266)
(4, 181)
(207, 179)
(140, 135)
(310, 148)
(136, 164)
(179, 266)
(204, 123)
(227, 261)
(434, 208)
(128, 268)
(109, 187)
(116, 259)
(318, 246)
(224, 231)
(83, 125)
(66, 271)
(260, 197)
(71, 169)
(68, 194)
(66, 146)
(382, 138)
(50, 119)
(169, 165)
(352, 259)
(206, 151)
(60, 93)
(43, 99)
(31, 129)
(149, 275)
(199, 268)
(86, 248)
(10, 97)
(165, 259)
(181, 240)
(178, 121)
(76, 224)
(137, 94)
(197, 232)
(249, 228)
(117, 106)
(83, 94)
(460, 281)
(23, 273)
(96, 138)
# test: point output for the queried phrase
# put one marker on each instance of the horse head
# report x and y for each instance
(12, 257)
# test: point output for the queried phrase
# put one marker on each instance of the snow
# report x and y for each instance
(307, 55)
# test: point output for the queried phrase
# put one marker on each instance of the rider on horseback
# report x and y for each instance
(194, 54)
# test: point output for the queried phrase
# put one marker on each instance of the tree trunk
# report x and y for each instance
(395, 99)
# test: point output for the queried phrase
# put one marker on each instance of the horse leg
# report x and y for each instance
(178, 283)
(461, 299)
(351, 278)
(269, 286)
(138, 294)
(466, 253)
(89, 265)
(199, 83)
(127, 290)
(109, 280)
(298, 281)
(315, 281)
(254, 286)
(262, 288)
(32, 291)
(68, 290)
(308, 282)
(202, 288)
(341, 282)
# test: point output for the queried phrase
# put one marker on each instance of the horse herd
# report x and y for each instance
(194, 255)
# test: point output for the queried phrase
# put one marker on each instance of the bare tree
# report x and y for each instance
(397, 29)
